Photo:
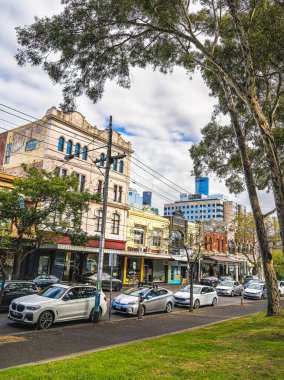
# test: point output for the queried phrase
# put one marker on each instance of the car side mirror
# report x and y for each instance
(66, 297)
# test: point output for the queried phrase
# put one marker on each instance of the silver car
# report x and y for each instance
(152, 299)
(230, 288)
(256, 291)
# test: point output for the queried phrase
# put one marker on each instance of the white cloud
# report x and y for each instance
(160, 111)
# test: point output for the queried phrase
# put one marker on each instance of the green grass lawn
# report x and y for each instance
(246, 348)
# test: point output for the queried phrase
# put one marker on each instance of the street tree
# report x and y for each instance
(235, 153)
(93, 41)
(279, 264)
(41, 208)
(6, 257)
(192, 243)
(246, 239)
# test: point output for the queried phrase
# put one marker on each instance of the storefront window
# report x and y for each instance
(58, 265)
(133, 270)
(43, 266)
(158, 271)
(174, 275)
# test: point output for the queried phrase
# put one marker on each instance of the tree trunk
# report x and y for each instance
(273, 298)
(2, 271)
(265, 127)
(17, 265)
(277, 176)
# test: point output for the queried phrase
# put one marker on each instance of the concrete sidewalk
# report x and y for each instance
(71, 340)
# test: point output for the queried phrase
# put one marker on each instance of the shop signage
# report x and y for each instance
(112, 259)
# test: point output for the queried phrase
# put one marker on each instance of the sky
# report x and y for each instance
(161, 115)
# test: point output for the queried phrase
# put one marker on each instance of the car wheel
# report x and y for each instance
(232, 294)
(143, 310)
(92, 315)
(214, 302)
(45, 320)
(196, 304)
(117, 287)
(169, 307)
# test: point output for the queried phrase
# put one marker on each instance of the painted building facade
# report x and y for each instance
(146, 247)
(44, 144)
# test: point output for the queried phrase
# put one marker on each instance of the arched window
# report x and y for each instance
(120, 167)
(84, 153)
(98, 220)
(69, 147)
(114, 165)
(77, 150)
(61, 142)
(102, 156)
(115, 224)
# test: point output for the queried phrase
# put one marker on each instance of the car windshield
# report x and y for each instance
(137, 292)
(255, 285)
(227, 283)
(53, 292)
(196, 289)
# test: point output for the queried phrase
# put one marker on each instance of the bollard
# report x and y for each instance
(140, 308)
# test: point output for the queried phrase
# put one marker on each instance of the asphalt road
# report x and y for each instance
(27, 346)
(8, 327)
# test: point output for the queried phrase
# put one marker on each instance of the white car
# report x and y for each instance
(202, 295)
(230, 288)
(281, 287)
(57, 303)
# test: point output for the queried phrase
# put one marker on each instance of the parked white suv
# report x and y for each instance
(281, 287)
(57, 303)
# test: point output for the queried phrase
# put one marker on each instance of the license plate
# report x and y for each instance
(118, 307)
(16, 315)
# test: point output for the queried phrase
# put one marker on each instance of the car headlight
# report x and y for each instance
(33, 307)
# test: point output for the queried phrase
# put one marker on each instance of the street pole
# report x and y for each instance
(96, 317)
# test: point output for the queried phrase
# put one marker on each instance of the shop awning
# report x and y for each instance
(75, 248)
(222, 259)
(180, 258)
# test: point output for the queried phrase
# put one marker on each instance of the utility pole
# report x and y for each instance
(109, 160)
(96, 317)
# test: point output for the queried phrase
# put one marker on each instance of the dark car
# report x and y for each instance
(210, 281)
(44, 280)
(107, 280)
(16, 289)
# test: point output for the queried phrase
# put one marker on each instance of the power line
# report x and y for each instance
(85, 163)
(100, 146)
(133, 156)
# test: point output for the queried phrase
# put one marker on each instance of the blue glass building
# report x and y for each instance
(202, 185)
(147, 198)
